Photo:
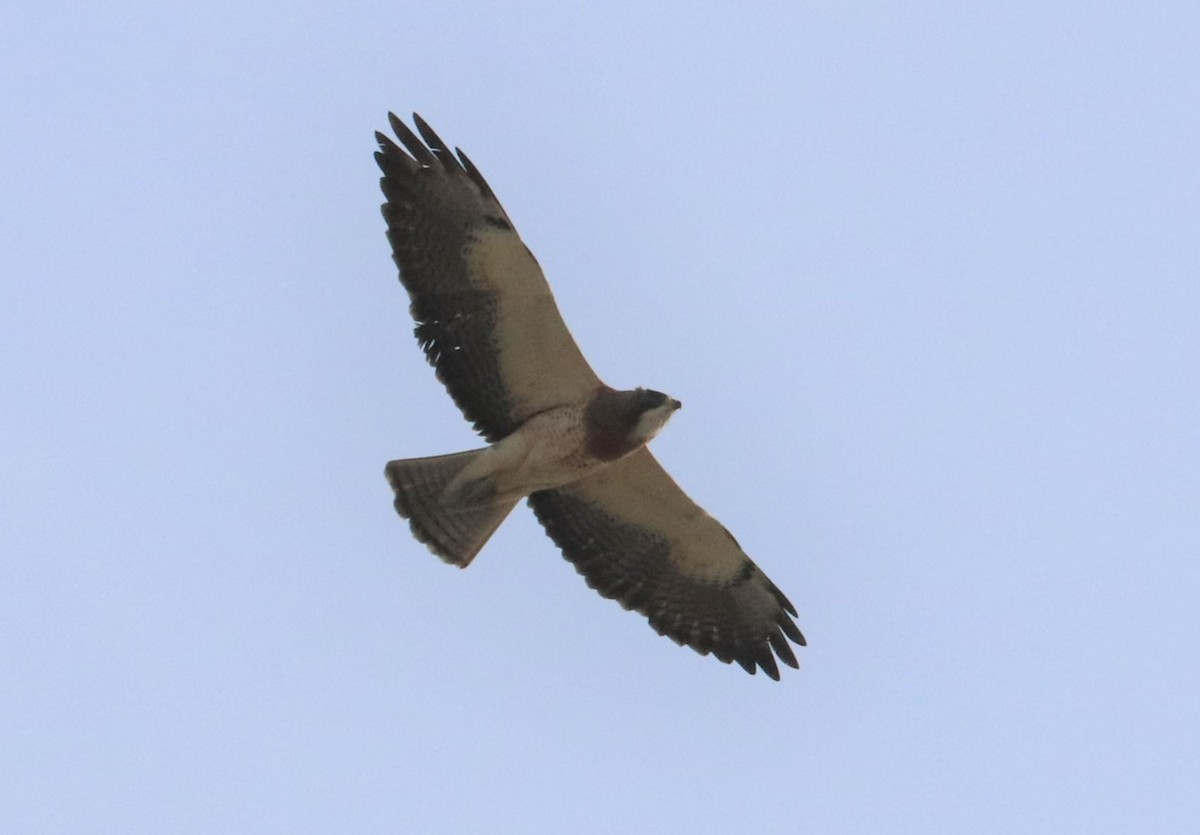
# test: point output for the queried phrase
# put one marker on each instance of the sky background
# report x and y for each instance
(924, 275)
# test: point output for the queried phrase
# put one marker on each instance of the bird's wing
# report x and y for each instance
(637, 538)
(484, 313)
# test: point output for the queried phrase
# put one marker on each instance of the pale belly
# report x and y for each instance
(549, 450)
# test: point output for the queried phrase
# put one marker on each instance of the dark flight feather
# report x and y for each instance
(741, 618)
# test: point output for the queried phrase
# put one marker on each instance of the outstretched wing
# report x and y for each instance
(484, 313)
(637, 538)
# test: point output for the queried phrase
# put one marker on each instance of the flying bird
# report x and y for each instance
(558, 437)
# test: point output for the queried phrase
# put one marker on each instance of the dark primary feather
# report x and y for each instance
(433, 203)
(741, 620)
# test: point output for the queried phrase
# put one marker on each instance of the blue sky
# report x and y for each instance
(925, 277)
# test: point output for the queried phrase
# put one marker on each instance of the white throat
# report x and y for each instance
(652, 422)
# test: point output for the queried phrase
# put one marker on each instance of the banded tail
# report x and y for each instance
(454, 521)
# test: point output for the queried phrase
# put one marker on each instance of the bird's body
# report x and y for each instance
(558, 435)
(475, 490)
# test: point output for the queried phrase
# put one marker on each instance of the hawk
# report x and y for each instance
(571, 446)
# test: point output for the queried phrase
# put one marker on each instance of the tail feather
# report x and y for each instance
(456, 523)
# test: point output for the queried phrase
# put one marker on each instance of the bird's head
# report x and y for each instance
(653, 410)
(618, 422)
